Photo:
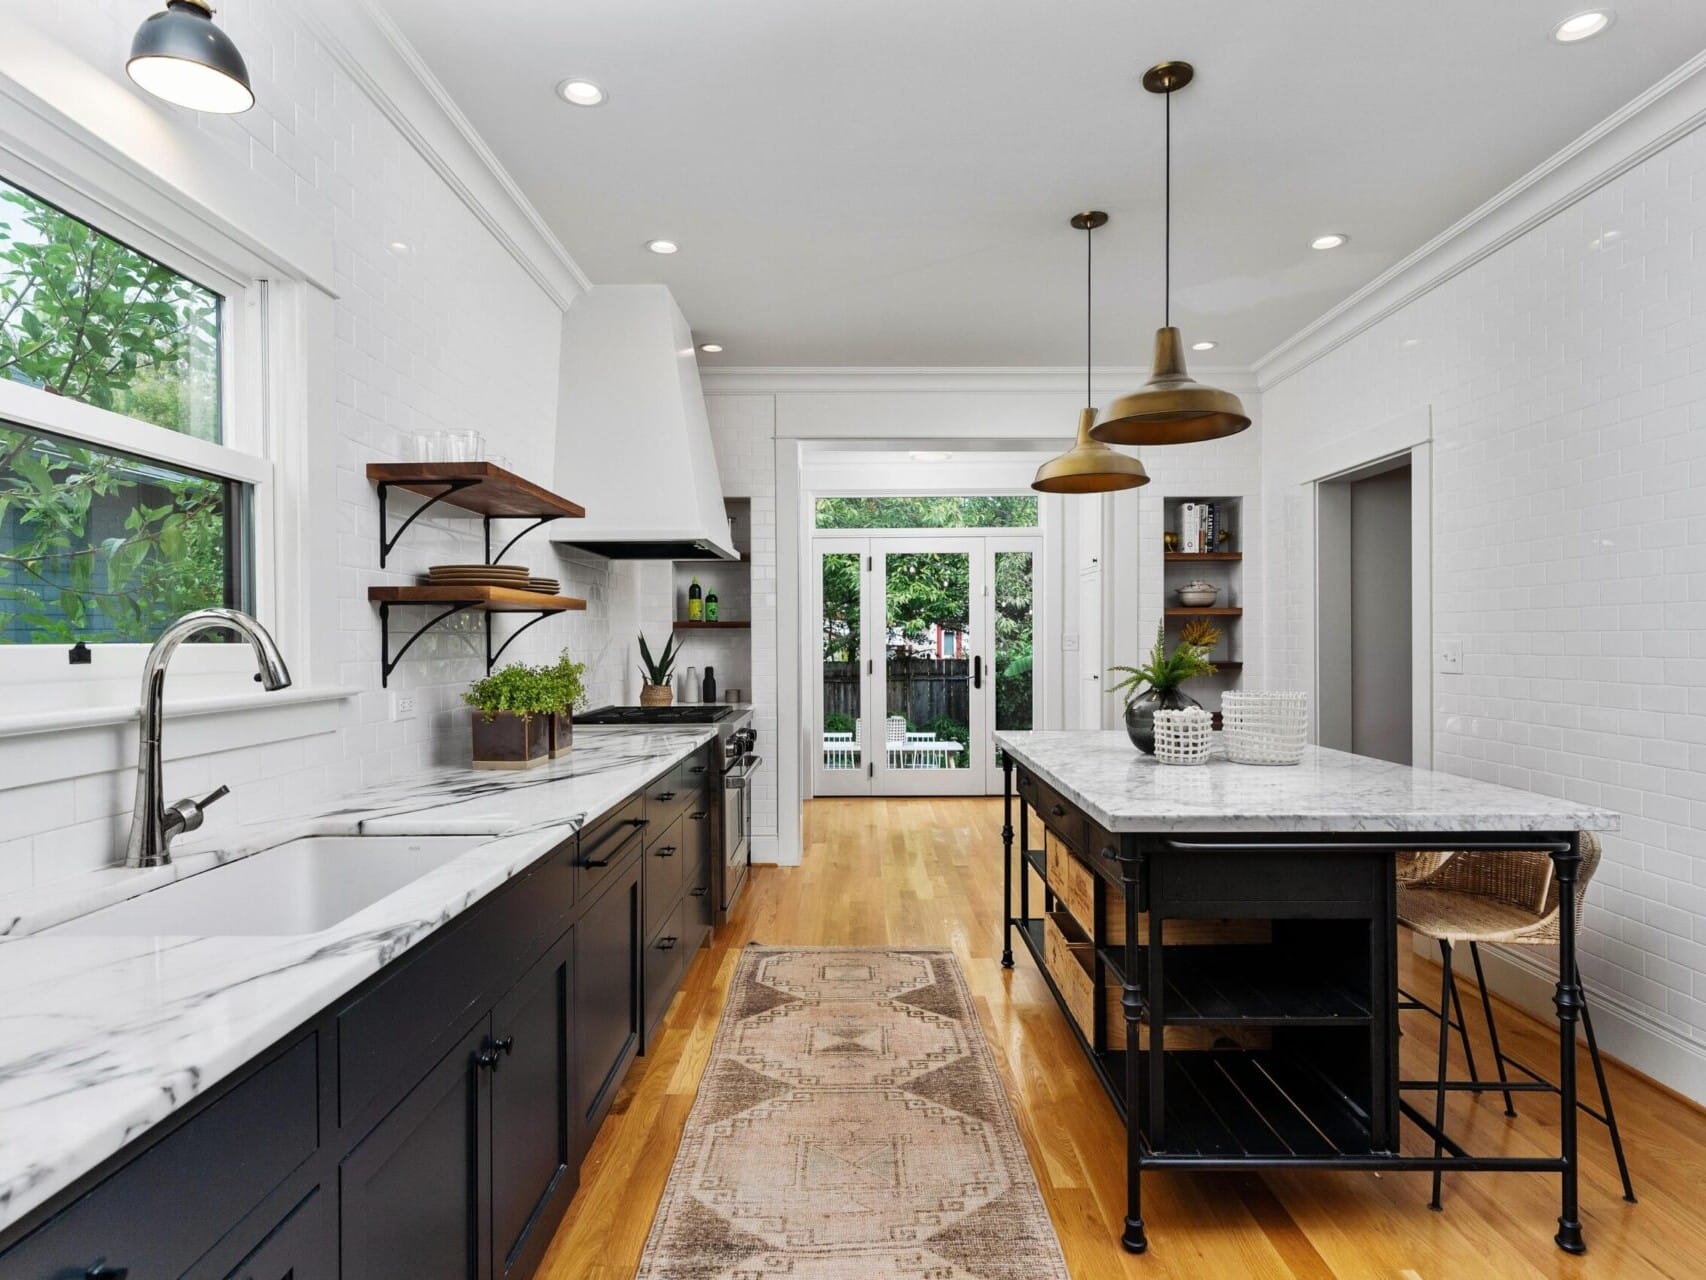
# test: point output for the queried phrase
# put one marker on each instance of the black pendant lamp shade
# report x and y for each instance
(1171, 408)
(1089, 466)
(180, 55)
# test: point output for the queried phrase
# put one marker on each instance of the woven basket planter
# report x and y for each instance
(1182, 737)
(1265, 728)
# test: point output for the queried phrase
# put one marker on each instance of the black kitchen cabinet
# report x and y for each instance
(606, 997)
(431, 1122)
(414, 1204)
(533, 1157)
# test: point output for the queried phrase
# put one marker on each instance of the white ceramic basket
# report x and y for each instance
(1265, 728)
(1182, 737)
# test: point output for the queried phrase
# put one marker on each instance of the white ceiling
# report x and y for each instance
(888, 182)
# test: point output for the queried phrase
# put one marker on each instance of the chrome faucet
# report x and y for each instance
(154, 824)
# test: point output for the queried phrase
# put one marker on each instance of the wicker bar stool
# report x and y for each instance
(1510, 899)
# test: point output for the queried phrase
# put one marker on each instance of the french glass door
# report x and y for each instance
(926, 649)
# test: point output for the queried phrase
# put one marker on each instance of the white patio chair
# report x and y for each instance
(895, 737)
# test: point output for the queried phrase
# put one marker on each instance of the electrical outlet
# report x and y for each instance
(1069, 644)
(1448, 658)
(402, 705)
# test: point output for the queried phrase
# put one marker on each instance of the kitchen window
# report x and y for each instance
(123, 503)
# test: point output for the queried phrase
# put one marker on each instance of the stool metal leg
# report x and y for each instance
(1605, 1097)
(1456, 1006)
(1444, 1047)
(1492, 1027)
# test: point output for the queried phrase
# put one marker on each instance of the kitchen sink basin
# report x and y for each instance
(305, 886)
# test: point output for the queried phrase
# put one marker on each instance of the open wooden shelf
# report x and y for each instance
(1185, 557)
(487, 599)
(480, 487)
(719, 625)
(1204, 611)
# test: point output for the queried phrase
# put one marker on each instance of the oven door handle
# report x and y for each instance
(735, 779)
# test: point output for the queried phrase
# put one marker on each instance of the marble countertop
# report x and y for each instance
(1124, 790)
(103, 1037)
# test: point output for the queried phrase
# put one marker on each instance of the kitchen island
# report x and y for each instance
(1248, 914)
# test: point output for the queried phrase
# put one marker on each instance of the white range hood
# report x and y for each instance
(633, 442)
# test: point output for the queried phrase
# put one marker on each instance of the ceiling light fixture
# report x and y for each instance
(712, 348)
(179, 55)
(1205, 345)
(1171, 408)
(581, 93)
(930, 455)
(1089, 466)
(1582, 26)
(662, 246)
(1332, 240)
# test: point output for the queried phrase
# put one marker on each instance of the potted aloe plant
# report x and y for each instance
(511, 712)
(566, 680)
(656, 691)
(1154, 686)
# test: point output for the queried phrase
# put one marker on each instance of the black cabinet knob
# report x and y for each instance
(506, 1045)
(698, 768)
(486, 1057)
(668, 851)
(667, 944)
(1058, 811)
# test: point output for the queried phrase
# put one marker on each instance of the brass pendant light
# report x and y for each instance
(1089, 466)
(1171, 408)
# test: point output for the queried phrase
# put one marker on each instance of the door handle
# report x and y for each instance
(977, 672)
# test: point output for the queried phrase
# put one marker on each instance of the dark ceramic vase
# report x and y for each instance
(1140, 714)
(504, 740)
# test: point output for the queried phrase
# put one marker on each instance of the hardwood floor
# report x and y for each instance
(928, 872)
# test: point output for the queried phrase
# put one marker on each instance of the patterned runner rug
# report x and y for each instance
(851, 1126)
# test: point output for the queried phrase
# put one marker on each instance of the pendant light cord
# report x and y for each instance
(1089, 348)
(1167, 222)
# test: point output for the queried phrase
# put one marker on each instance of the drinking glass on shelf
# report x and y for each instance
(426, 446)
(466, 446)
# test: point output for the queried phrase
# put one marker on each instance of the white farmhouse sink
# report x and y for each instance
(305, 886)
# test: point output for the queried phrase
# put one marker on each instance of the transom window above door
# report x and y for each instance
(983, 511)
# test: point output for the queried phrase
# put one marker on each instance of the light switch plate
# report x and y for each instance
(1069, 644)
(402, 705)
(1448, 658)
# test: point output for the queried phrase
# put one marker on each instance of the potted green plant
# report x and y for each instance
(511, 710)
(566, 679)
(1154, 686)
(656, 692)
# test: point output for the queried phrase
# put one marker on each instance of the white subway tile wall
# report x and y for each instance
(448, 332)
(1567, 379)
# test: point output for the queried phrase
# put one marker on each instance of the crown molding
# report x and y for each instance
(368, 47)
(974, 379)
(1642, 127)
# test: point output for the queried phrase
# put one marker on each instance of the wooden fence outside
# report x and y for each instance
(921, 689)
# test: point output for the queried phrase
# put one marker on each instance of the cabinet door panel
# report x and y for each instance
(411, 1195)
(606, 1000)
(665, 857)
(698, 839)
(302, 1247)
(663, 967)
(532, 1114)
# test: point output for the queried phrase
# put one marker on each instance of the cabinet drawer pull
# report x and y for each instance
(101, 1271)
(700, 816)
(668, 851)
(700, 892)
(698, 768)
(1058, 811)
(639, 822)
(506, 1045)
(666, 795)
(489, 1053)
(594, 863)
(667, 944)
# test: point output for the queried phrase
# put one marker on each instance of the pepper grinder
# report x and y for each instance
(710, 684)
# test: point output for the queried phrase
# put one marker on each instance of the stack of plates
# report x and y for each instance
(550, 586)
(479, 575)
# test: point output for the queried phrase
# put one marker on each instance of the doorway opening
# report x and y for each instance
(928, 641)
(1365, 623)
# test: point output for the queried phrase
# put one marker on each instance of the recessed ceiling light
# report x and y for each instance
(580, 93)
(1407, 343)
(662, 246)
(926, 455)
(713, 348)
(1332, 240)
(1204, 346)
(1582, 26)
(398, 247)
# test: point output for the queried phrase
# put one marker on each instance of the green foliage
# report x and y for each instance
(1013, 687)
(1014, 511)
(95, 545)
(518, 689)
(566, 680)
(948, 729)
(659, 670)
(841, 607)
(927, 589)
(1164, 670)
(839, 722)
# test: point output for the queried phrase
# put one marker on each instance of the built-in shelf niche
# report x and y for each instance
(1223, 565)
(725, 644)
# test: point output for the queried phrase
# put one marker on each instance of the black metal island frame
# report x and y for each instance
(1249, 914)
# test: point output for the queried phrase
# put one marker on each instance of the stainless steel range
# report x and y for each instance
(732, 792)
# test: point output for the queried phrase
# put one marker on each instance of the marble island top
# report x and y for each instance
(104, 1037)
(1124, 790)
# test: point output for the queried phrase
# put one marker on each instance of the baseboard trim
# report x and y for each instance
(768, 849)
(1626, 1033)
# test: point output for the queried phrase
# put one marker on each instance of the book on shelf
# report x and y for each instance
(1190, 528)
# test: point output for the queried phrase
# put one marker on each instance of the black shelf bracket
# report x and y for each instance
(388, 541)
(389, 661)
(495, 559)
(491, 656)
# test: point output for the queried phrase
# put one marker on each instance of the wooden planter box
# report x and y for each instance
(562, 729)
(509, 741)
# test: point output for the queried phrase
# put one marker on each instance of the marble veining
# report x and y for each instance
(1125, 790)
(103, 1037)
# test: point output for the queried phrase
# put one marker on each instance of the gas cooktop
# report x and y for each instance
(700, 713)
